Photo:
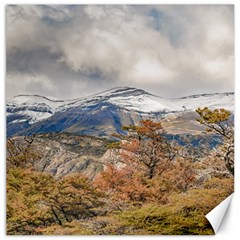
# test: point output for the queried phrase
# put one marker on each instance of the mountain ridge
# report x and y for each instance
(103, 112)
(187, 96)
(54, 99)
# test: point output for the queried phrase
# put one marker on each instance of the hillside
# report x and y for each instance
(63, 154)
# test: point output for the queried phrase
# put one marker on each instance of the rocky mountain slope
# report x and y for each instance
(104, 113)
(64, 153)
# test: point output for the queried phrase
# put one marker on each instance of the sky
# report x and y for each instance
(70, 51)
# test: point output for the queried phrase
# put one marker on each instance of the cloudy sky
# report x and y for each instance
(76, 50)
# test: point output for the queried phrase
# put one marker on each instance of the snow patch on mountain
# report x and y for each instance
(144, 103)
(215, 100)
(32, 100)
(35, 108)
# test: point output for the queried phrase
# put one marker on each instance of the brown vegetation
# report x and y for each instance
(154, 186)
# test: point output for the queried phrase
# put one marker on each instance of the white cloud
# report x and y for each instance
(22, 83)
(181, 49)
(149, 70)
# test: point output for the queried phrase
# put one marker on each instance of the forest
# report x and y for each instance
(151, 184)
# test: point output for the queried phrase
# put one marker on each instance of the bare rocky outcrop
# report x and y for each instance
(64, 153)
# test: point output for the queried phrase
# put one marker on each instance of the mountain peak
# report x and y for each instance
(122, 91)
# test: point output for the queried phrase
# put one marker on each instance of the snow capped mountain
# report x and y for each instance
(124, 97)
(124, 105)
(215, 100)
(141, 101)
(33, 107)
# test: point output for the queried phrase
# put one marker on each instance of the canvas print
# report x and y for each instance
(120, 118)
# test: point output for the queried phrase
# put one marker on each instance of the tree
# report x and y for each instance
(147, 146)
(26, 209)
(218, 121)
(148, 169)
(123, 186)
(73, 197)
(21, 153)
(37, 200)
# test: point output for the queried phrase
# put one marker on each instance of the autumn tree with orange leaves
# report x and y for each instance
(148, 168)
(147, 147)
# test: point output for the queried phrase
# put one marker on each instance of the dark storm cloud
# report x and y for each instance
(72, 51)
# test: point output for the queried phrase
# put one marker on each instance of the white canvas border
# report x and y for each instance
(230, 226)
